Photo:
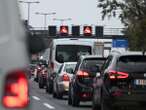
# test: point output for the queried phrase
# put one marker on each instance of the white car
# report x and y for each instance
(62, 79)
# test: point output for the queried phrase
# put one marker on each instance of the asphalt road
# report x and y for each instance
(40, 100)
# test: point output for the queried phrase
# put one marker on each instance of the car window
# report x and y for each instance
(134, 63)
(90, 64)
(60, 69)
(67, 66)
(68, 53)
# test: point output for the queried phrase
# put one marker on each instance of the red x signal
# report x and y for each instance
(87, 30)
(63, 29)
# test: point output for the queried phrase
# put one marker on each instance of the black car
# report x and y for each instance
(122, 82)
(43, 76)
(81, 85)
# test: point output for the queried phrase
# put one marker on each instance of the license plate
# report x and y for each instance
(140, 82)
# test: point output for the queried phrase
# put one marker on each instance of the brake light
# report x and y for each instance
(117, 75)
(16, 90)
(82, 74)
(65, 77)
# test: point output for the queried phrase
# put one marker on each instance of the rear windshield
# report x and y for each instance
(135, 63)
(71, 53)
(90, 65)
(68, 66)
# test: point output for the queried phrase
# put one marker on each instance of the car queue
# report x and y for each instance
(118, 81)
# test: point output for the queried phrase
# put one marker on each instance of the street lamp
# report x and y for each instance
(45, 16)
(62, 20)
(28, 3)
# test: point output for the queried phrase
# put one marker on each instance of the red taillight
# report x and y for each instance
(16, 90)
(82, 74)
(117, 75)
(65, 77)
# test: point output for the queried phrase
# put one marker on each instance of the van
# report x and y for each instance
(68, 50)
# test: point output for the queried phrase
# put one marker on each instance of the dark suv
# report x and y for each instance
(122, 82)
(81, 85)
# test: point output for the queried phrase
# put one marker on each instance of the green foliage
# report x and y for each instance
(133, 15)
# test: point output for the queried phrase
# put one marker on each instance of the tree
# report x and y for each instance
(133, 15)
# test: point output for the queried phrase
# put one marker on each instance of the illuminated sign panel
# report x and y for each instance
(63, 30)
(87, 31)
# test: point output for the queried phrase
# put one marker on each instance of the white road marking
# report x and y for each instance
(36, 98)
(48, 106)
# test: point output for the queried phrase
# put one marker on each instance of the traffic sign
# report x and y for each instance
(120, 43)
(63, 30)
(87, 31)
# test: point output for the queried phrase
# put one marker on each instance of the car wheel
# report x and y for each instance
(59, 95)
(96, 102)
(75, 101)
(105, 104)
(69, 98)
(41, 86)
(50, 89)
(47, 90)
(54, 94)
(36, 79)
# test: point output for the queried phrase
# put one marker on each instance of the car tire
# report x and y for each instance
(50, 91)
(75, 101)
(69, 97)
(47, 89)
(41, 86)
(54, 94)
(105, 104)
(36, 79)
(96, 103)
(59, 95)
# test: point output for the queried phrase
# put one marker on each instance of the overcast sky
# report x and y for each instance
(80, 11)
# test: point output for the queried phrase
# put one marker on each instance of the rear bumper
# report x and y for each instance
(84, 93)
(63, 87)
(130, 99)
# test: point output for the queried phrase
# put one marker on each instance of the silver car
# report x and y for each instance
(62, 79)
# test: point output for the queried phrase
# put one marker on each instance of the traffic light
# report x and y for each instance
(99, 31)
(76, 30)
(52, 30)
(63, 30)
(87, 30)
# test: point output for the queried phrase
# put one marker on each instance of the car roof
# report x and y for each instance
(91, 56)
(69, 63)
(126, 53)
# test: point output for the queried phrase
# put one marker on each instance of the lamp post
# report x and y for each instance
(45, 16)
(62, 20)
(29, 3)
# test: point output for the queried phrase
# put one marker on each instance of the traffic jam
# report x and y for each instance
(72, 67)
(80, 71)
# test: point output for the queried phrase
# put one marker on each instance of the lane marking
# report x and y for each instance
(35, 97)
(48, 106)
